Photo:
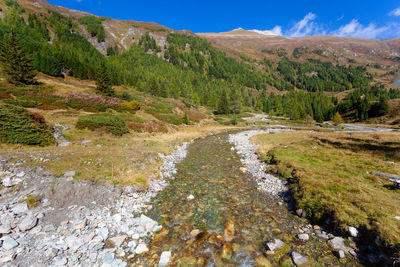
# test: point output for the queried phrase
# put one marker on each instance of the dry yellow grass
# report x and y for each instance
(334, 175)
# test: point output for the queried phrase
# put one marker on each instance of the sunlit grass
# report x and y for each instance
(334, 172)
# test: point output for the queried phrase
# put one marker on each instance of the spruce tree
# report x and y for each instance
(17, 64)
(103, 81)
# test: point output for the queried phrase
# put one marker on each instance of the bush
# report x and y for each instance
(112, 123)
(19, 126)
(25, 101)
(132, 106)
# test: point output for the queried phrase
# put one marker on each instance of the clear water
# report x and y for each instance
(222, 192)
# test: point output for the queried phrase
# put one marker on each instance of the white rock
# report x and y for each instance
(20, 174)
(340, 254)
(274, 245)
(353, 231)
(298, 258)
(81, 225)
(337, 243)
(73, 243)
(141, 248)
(303, 237)
(9, 243)
(8, 257)
(165, 259)
(7, 182)
(5, 229)
(103, 233)
(20, 208)
(117, 217)
(191, 197)
(118, 240)
(28, 223)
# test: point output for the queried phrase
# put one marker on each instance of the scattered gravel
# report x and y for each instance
(247, 150)
(74, 221)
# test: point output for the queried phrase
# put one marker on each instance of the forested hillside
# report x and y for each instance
(190, 68)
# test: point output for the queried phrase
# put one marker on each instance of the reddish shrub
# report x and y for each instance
(38, 117)
(5, 95)
(148, 127)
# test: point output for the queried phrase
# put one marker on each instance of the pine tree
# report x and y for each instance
(103, 81)
(16, 62)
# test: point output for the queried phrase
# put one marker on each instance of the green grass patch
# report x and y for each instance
(112, 123)
(333, 173)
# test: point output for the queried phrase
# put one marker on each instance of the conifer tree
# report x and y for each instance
(103, 81)
(15, 61)
(337, 118)
(223, 105)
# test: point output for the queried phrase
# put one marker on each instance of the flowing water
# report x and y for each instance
(223, 193)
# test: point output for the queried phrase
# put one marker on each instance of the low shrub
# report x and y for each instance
(131, 106)
(112, 123)
(24, 101)
(147, 127)
(19, 126)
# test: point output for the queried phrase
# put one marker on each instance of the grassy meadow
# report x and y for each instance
(333, 173)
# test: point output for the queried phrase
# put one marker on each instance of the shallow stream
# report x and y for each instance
(223, 193)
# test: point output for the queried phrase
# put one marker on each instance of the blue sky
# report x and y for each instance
(356, 18)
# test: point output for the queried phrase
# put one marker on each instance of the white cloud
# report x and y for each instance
(304, 27)
(277, 30)
(395, 12)
(309, 26)
(355, 29)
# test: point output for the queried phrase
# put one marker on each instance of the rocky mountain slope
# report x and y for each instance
(120, 33)
(381, 57)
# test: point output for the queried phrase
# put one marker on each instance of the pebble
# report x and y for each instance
(20, 208)
(340, 254)
(28, 223)
(298, 258)
(337, 243)
(5, 229)
(353, 231)
(141, 248)
(8, 243)
(303, 237)
(191, 197)
(165, 258)
(118, 240)
(275, 244)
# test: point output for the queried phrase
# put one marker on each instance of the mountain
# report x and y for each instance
(119, 33)
(381, 57)
(228, 72)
